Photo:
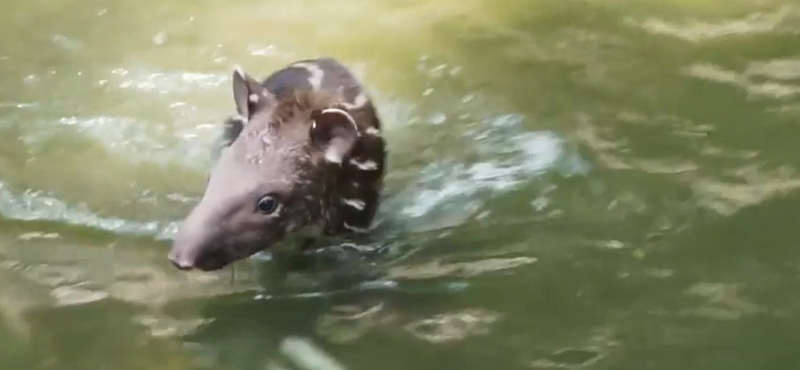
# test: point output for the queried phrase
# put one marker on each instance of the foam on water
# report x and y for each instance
(506, 162)
(537, 151)
(36, 206)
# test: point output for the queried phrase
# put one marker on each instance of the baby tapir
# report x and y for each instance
(303, 161)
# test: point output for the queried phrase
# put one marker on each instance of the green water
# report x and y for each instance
(596, 184)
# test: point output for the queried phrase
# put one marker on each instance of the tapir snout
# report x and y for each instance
(221, 230)
(196, 245)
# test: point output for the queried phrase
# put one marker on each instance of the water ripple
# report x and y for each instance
(167, 82)
(697, 31)
(770, 89)
(35, 206)
(530, 154)
(453, 326)
(128, 136)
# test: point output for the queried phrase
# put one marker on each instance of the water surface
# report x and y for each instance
(573, 185)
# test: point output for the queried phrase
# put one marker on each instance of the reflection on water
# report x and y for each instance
(572, 185)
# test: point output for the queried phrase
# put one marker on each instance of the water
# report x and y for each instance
(573, 185)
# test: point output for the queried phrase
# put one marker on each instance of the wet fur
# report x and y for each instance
(363, 186)
(314, 136)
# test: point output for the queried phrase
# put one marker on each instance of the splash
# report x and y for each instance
(506, 162)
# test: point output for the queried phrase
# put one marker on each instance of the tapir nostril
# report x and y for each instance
(180, 264)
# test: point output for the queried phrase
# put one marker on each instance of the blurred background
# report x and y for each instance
(575, 184)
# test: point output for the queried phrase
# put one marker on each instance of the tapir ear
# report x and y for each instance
(249, 95)
(334, 132)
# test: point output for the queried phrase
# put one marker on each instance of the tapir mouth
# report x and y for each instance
(206, 261)
(209, 258)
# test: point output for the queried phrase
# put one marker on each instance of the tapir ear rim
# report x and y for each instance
(335, 132)
(248, 94)
(317, 114)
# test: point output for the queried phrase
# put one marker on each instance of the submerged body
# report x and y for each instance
(304, 160)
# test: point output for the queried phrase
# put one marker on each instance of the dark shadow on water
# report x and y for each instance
(97, 335)
(232, 331)
(246, 333)
(728, 302)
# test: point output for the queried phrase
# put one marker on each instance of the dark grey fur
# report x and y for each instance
(308, 137)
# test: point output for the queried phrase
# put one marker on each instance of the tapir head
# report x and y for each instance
(270, 180)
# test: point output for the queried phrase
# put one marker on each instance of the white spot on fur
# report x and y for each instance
(365, 165)
(372, 131)
(355, 228)
(355, 203)
(315, 80)
(333, 158)
(360, 100)
(253, 98)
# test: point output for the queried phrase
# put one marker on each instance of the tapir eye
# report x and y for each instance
(267, 204)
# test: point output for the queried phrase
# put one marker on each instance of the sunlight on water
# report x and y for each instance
(168, 83)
